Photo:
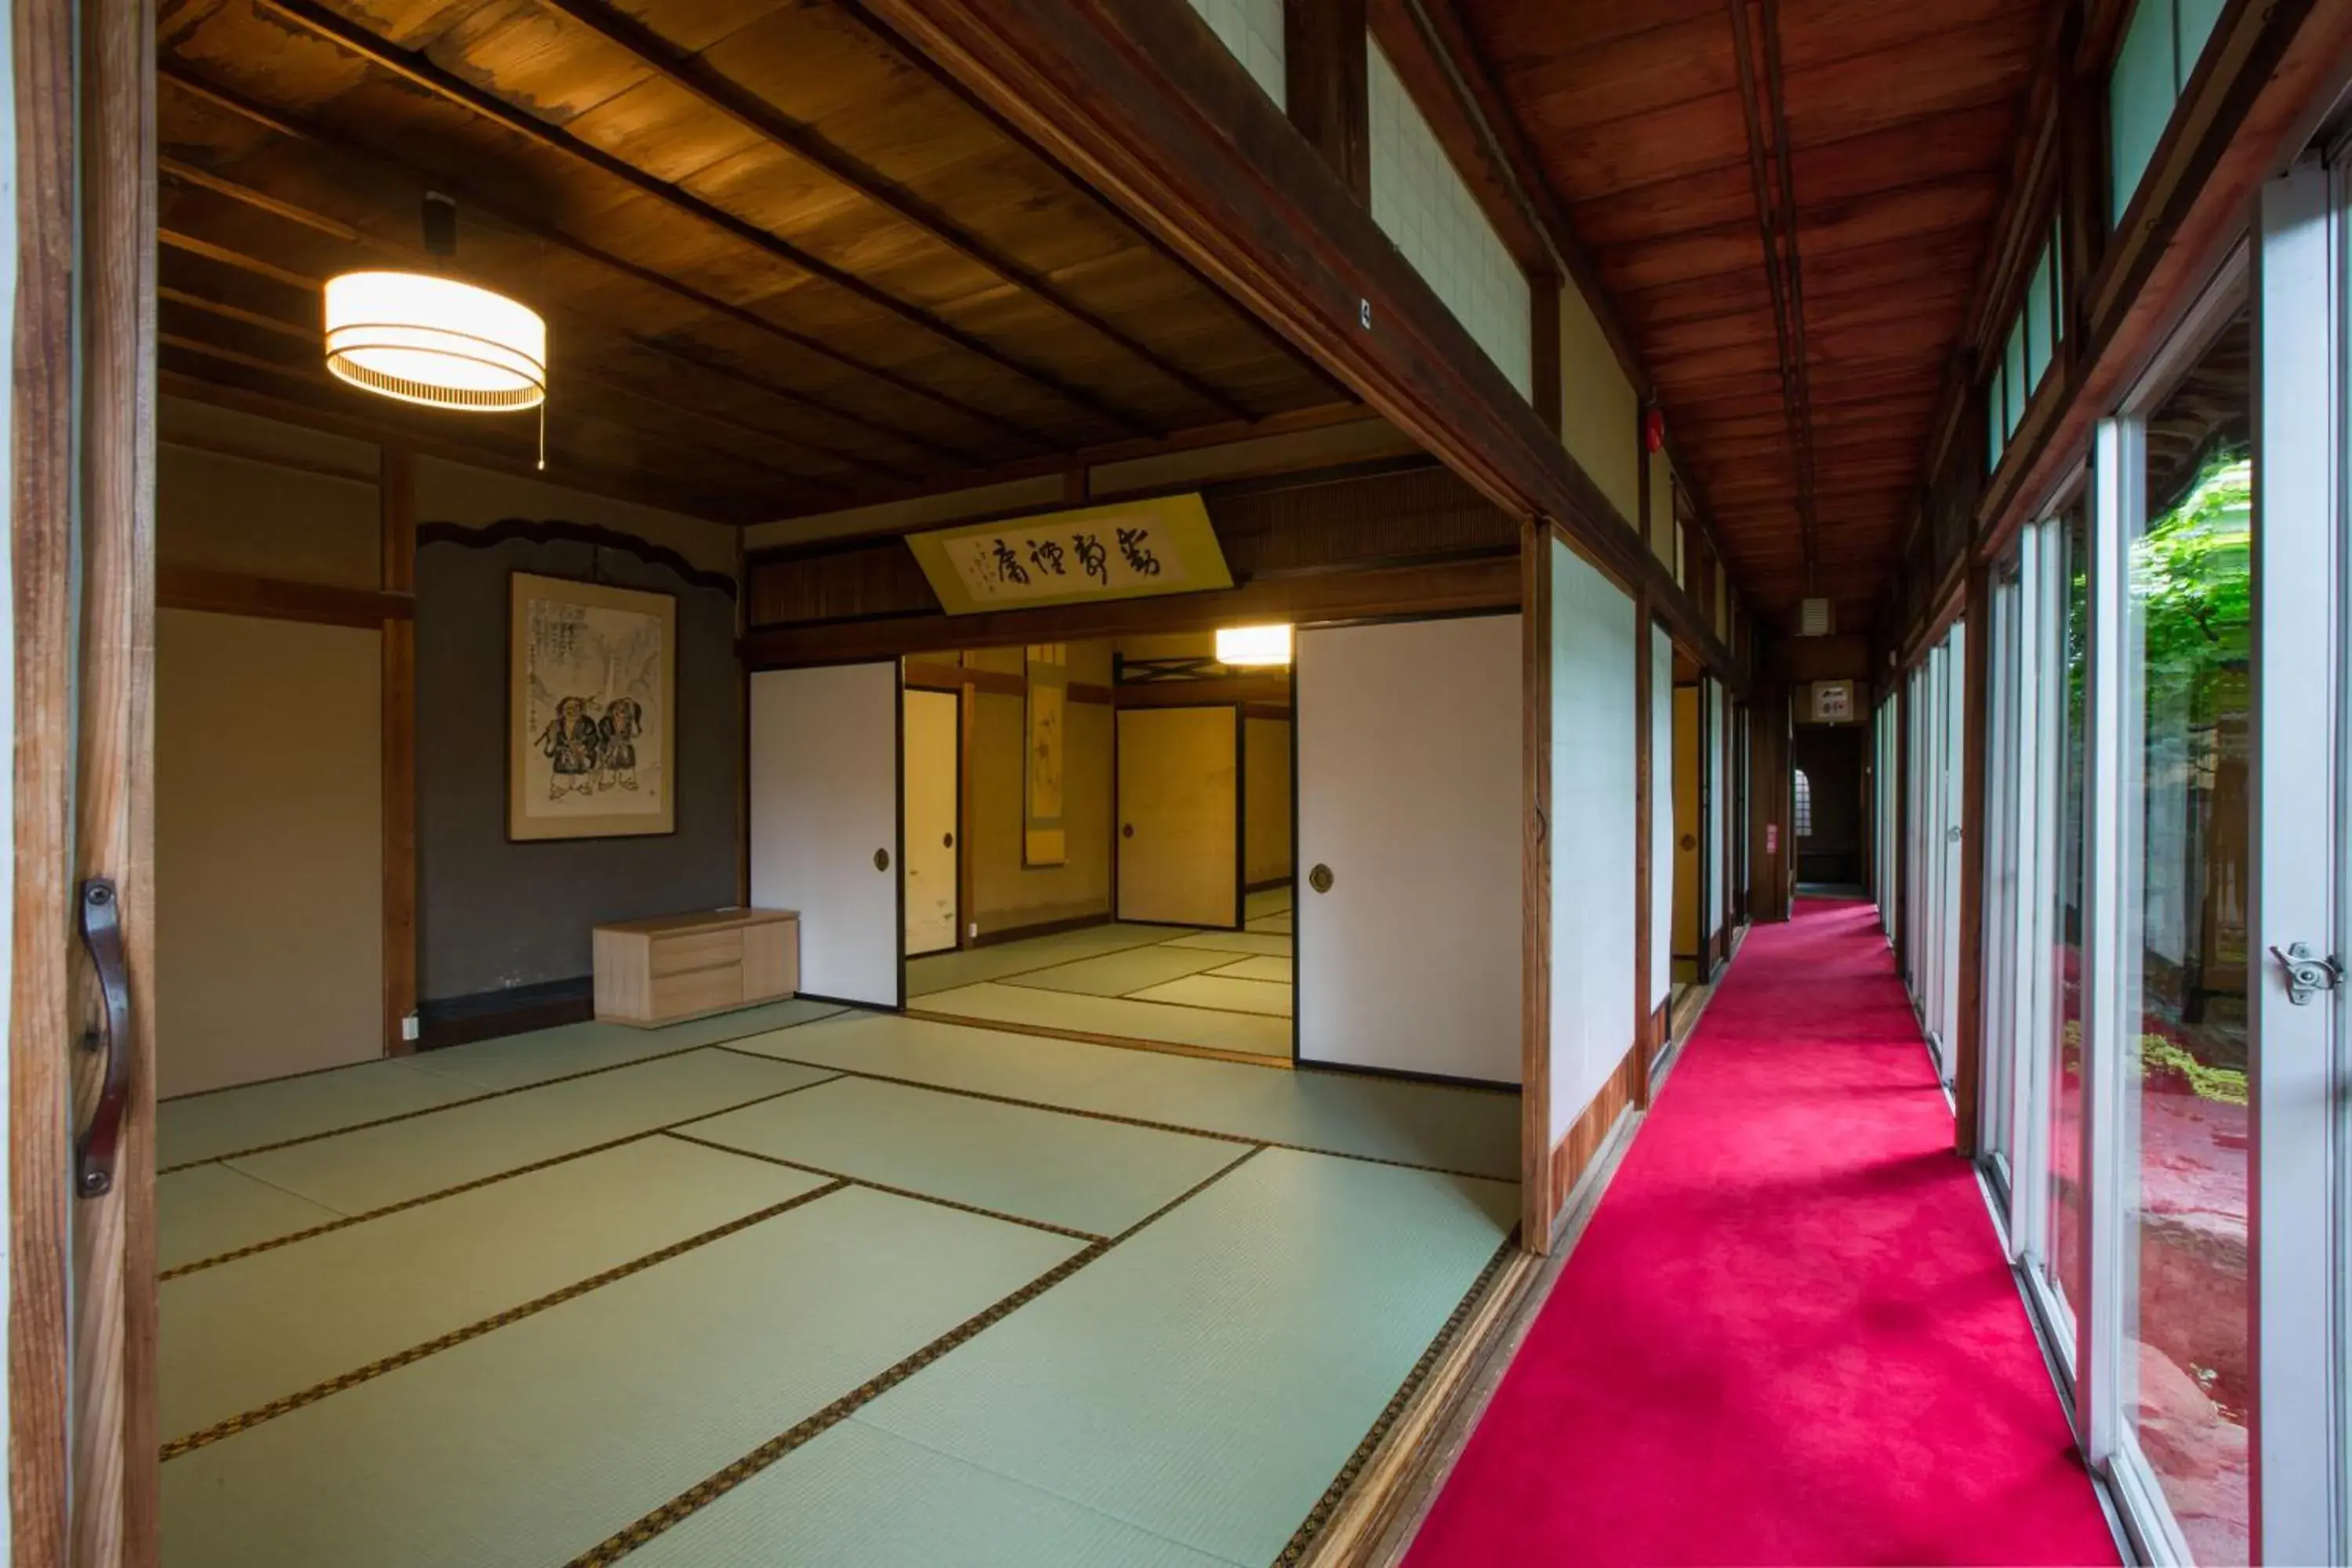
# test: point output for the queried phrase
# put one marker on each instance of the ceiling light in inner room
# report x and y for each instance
(435, 341)
(1247, 645)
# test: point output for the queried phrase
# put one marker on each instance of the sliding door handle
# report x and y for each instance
(102, 935)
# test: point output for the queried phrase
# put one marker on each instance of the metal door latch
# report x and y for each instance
(2309, 972)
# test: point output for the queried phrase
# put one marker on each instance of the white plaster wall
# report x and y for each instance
(1599, 415)
(1593, 647)
(1253, 30)
(1425, 206)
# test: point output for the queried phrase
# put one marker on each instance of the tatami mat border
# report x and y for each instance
(455, 1337)
(1157, 1002)
(882, 1187)
(705, 1492)
(1302, 1540)
(1116, 1042)
(472, 1099)
(347, 1221)
(1128, 1121)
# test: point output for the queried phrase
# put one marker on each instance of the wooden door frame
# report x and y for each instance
(83, 1468)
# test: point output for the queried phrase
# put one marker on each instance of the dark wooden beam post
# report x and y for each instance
(396, 528)
(1975, 709)
(1537, 1200)
(1324, 65)
(1645, 739)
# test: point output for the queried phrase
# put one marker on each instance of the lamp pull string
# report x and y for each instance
(543, 434)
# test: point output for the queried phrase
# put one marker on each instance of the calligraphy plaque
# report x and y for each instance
(1127, 550)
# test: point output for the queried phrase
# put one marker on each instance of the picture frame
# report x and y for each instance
(592, 710)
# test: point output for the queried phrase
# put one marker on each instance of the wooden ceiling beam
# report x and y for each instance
(297, 131)
(339, 415)
(692, 73)
(421, 72)
(1142, 100)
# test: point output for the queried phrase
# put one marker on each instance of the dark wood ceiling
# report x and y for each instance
(1678, 134)
(785, 266)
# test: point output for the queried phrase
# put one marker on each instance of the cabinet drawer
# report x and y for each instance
(697, 949)
(698, 991)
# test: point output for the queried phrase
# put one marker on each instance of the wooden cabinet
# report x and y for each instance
(681, 966)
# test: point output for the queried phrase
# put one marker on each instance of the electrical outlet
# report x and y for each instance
(409, 1026)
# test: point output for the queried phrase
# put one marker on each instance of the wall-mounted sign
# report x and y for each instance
(1833, 701)
(1125, 551)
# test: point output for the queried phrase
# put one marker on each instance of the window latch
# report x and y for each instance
(2307, 972)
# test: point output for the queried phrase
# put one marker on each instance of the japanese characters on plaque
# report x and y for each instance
(1163, 545)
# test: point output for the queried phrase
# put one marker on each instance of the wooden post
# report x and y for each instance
(396, 527)
(1976, 708)
(1644, 738)
(1536, 1199)
(1325, 82)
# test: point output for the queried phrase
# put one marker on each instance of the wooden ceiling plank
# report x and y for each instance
(300, 131)
(171, 169)
(714, 88)
(422, 72)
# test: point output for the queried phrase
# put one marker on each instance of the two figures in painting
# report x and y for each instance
(588, 753)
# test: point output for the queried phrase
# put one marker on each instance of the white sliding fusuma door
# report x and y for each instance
(1409, 811)
(824, 822)
(1594, 644)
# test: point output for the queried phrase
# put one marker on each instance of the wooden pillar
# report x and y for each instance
(1324, 62)
(1536, 1199)
(1644, 738)
(396, 528)
(1546, 385)
(1770, 830)
(1976, 708)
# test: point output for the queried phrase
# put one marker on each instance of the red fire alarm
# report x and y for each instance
(1653, 428)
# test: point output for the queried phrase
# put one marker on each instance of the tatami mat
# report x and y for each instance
(1267, 901)
(366, 1170)
(944, 971)
(1256, 967)
(1449, 1129)
(237, 1336)
(206, 1126)
(1117, 974)
(859, 1497)
(529, 1445)
(209, 1209)
(1094, 1176)
(1206, 1380)
(514, 1060)
(1278, 925)
(1225, 993)
(1237, 941)
(1116, 1015)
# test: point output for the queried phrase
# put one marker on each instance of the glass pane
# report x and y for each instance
(2020, 387)
(2038, 319)
(2195, 27)
(2139, 98)
(2065, 1262)
(2184, 946)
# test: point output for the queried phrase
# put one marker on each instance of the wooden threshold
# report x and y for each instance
(1117, 1042)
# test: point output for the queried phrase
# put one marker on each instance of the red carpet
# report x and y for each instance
(1789, 1335)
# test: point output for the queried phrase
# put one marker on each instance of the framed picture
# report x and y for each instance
(591, 704)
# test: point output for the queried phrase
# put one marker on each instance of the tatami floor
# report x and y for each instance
(1210, 990)
(798, 1287)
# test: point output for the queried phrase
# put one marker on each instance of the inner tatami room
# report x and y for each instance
(803, 1285)
(1228, 991)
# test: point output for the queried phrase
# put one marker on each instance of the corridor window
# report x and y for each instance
(1803, 813)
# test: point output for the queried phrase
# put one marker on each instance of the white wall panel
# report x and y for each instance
(1718, 828)
(825, 798)
(1425, 206)
(1662, 816)
(1409, 763)
(1593, 647)
(1253, 30)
